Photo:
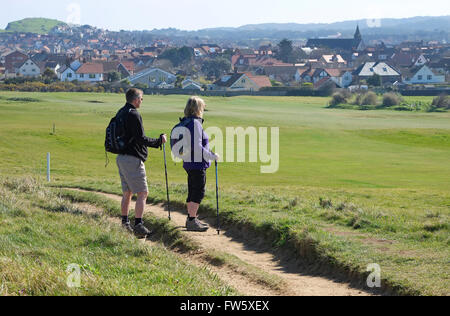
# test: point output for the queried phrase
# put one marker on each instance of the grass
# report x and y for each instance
(42, 234)
(385, 174)
(33, 25)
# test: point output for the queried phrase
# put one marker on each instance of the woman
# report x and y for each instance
(200, 157)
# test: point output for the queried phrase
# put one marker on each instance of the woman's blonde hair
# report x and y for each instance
(195, 107)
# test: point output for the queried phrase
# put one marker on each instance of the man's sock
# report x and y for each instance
(138, 221)
(125, 219)
(191, 218)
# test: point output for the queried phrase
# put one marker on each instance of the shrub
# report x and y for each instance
(391, 99)
(370, 98)
(307, 85)
(337, 99)
(442, 101)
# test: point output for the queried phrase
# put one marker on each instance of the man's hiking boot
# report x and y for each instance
(196, 226)
(127, 227)
(203, 224)
(141, 231)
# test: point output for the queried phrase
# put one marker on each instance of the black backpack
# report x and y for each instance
(174, 140)
(116, 141)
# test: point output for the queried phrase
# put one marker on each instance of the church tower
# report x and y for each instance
(358, 36)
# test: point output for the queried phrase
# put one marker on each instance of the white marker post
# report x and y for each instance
(48, 167)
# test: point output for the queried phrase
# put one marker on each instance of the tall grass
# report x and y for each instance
(41, 234)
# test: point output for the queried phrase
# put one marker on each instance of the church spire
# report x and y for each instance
(358, 35)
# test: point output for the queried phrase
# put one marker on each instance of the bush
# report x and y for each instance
(338, 98)
(369, 98)
(442, 102)
(391, 99)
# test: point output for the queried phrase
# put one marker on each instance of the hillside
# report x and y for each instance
(415, 28)
(33, 25)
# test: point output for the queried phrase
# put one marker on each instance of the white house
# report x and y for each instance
(90, 72)
(29, 69)
(342, 78)
(190, 84)
(154, 77)
(424, 75)
(67, 74)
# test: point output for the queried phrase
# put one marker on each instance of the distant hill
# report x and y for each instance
(33, 25)
(386, 30)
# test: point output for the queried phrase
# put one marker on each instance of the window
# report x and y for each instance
(82, 76)
(91, 76)
(430, 77)
(420, 77)
(69, 75)
(33, 70)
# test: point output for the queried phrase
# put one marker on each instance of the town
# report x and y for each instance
(85, 54)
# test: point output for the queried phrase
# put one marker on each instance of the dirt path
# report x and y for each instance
(294, 282)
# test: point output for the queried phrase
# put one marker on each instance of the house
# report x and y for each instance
(52, 65)
(190, 84)
(90, 72)
(423, 75)
(347, 44)
(283, 74)
(387, 73)
(13, 61)
(407, 59)
(29, 68)
(299, 74)
(332, 60)
(323, 82)
(241, 82)
(66, 73)
(341, 77)
(153, 77)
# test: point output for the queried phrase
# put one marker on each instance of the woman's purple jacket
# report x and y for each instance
(199, 144)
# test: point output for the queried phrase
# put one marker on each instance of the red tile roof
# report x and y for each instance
(129, 65)
(90, 68)
(260, 81)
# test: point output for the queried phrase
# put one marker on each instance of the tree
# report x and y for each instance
(285, 50)
(216, 67)
(49, 74)
(114, 76)
(178, 56)
(141, 86)
(180, 79)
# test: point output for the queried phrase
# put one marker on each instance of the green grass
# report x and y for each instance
(42, 234)
(385, 172)
(33, 25)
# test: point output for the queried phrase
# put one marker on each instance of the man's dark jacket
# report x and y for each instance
(135, 133)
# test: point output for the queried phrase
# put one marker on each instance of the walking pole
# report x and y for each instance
(217, 197)
(167, 182)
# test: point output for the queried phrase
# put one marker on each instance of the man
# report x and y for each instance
(131, 163)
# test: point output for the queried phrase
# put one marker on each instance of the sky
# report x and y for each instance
(198, 14)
